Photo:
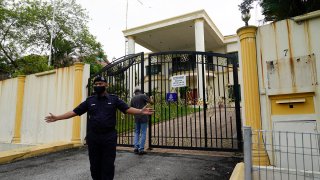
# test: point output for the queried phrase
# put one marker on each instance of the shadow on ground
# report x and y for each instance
(74, 165)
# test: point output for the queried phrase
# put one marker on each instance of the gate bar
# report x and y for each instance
(204, 104)
(237, 103)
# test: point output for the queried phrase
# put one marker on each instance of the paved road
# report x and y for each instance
(74, 165)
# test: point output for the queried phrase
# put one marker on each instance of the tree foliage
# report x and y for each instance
(25, 31)
(245, 6)
(32, 64)
(275, 10)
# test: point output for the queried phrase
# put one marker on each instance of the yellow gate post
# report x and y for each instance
(19, 105)
(76, 126)
(247, 36)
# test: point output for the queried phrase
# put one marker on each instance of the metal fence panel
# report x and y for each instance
(292, 155)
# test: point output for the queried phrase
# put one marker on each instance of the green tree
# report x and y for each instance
(245, 6)
(275, 10)
(10, 16)
(25, 29)
(92, 60)
(32, 64)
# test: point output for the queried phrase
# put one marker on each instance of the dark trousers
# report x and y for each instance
(102, 154)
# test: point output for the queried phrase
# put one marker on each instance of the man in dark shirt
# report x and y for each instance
(102, 135)
(140, 100)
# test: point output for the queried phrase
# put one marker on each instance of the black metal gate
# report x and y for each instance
(196, 98)
(123, 75)
(196, 101)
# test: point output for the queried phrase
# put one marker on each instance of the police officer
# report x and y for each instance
(101, 136)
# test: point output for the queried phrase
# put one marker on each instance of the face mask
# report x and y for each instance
(99, 89)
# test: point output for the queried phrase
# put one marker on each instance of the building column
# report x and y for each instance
(200, 46)
(247, 36)
(132, 75)
(19, 109)
(131, 45)
(76, 124)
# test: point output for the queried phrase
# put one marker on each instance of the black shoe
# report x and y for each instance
(142, 152)
(136, 151)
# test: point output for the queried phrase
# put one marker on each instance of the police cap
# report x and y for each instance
(99, 78)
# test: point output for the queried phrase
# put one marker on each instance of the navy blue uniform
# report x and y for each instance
(101, 136)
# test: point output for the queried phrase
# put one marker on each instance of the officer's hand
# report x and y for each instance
(147, 111)
(51, 118)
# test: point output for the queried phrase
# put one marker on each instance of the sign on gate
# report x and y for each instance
(171, 97)
(178, 81)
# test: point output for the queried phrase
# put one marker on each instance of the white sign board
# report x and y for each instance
(178, 81)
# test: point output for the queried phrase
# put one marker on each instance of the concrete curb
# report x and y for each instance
(23, 153)
(238, 172)
(186, 152)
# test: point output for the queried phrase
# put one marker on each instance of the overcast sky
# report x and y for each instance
(108, 17)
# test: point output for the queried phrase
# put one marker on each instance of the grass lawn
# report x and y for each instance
(164, 112)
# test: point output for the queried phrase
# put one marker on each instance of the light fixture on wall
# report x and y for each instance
(245, 16)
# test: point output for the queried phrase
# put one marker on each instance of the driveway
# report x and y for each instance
(189, 131)
(74, 165)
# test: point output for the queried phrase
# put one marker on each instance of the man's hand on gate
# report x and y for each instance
(147, 111)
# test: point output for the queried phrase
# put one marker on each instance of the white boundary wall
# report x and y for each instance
(294, 49)
(43, 93)
(8, 99)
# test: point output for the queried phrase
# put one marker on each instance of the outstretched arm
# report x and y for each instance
(53, 118)
(144, 111)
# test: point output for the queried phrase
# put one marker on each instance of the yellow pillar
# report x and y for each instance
(19, 104)
(76, 127)
(247, 36)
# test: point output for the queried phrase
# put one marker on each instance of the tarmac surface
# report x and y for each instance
(73, 164)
